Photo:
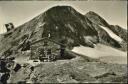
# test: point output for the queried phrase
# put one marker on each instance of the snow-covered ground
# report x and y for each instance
(114, 36)
(24, 60)
(104, 53)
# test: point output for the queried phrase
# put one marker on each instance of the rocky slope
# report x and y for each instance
(98, 21)
(58, 23)
(95, 18)
(78, 70)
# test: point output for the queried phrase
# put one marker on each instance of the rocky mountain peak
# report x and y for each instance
(65, 21)
(92, 13)
(62, 8)
(95, 18)
(101, 23)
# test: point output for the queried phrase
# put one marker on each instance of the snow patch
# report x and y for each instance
(56, 27)
(31, 62)
(103, 52)
(25, 60)
(41, 24)
(114, 36)
(72, 29)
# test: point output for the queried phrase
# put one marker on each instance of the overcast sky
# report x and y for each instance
(18, 12)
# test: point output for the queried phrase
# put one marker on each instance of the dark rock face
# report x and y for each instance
(95, 18)
(17, 67)
(105, 38)
(119, 31)
(63, 21)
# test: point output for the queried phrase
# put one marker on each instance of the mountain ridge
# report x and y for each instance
(99, 21)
